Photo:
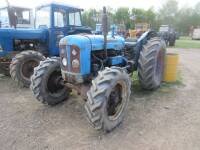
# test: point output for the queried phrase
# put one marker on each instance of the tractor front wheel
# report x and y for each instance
(46, 82)
(108, 98)
(22, 66)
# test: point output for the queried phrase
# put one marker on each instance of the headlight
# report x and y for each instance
(75, 63)
(74, 52)
(62, 51)
(64, 62)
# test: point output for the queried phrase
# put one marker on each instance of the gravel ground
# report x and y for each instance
(167, 119)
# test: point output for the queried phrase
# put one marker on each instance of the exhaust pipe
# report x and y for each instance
(105, 29)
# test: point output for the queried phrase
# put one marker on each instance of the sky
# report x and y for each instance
(86, 4)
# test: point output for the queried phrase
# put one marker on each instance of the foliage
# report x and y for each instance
(122, 16)
(182, 19)
(168, 12)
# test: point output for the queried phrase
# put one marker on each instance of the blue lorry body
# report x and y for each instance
(50, 36)
(7, 37)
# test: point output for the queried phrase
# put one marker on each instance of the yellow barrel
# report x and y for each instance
(132, 33)
(171, 63)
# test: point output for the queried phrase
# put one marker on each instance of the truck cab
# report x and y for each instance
(60, 20)
(23, 17)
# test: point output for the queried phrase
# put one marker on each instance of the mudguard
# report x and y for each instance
(140, 42)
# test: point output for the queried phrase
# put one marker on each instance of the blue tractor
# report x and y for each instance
(23, 49)
(99, 68)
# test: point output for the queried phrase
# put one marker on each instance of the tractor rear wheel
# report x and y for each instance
(172, 42)
(22, 66)
(151, 63)
(108, 98)
(46, 82)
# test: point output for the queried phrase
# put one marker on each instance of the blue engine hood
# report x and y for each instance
(95, 42)
(23, 33)
(7, 37)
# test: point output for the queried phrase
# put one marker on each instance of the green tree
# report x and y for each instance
(183, 20)
(151, 17)
(122, 16)
(90, 18)
(197, 8)
(144, 16)
(168, 12)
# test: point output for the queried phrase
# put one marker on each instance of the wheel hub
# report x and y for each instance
(28, 68)
(115, 101)
(55, 82)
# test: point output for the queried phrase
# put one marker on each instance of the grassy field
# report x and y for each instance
(187, 43)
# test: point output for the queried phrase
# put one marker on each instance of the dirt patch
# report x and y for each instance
(168, 118)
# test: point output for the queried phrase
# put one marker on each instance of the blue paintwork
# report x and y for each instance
(89, 43)
(8, 35)
(113, 61)
(53, 32)
(60, 6)
(49, 36)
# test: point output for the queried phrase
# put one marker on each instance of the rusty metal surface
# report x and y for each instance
(73, 57)
(5, 63)
(4, 66)
(81, 89)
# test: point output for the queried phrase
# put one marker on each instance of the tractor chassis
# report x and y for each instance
(4, 66)
(81, 89)
(5, 63)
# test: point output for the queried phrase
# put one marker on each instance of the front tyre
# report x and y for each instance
(108, 98)
(22, 66)
(46, 82)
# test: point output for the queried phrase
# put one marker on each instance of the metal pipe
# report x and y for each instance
(105, 29)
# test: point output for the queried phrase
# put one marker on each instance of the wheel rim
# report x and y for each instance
(115, 102)
(54, 83)
(28, 68)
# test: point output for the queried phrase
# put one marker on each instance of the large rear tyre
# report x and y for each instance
(151, 64)
(172, 42)
(108, 98)
(46, 82)
(22, 66)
